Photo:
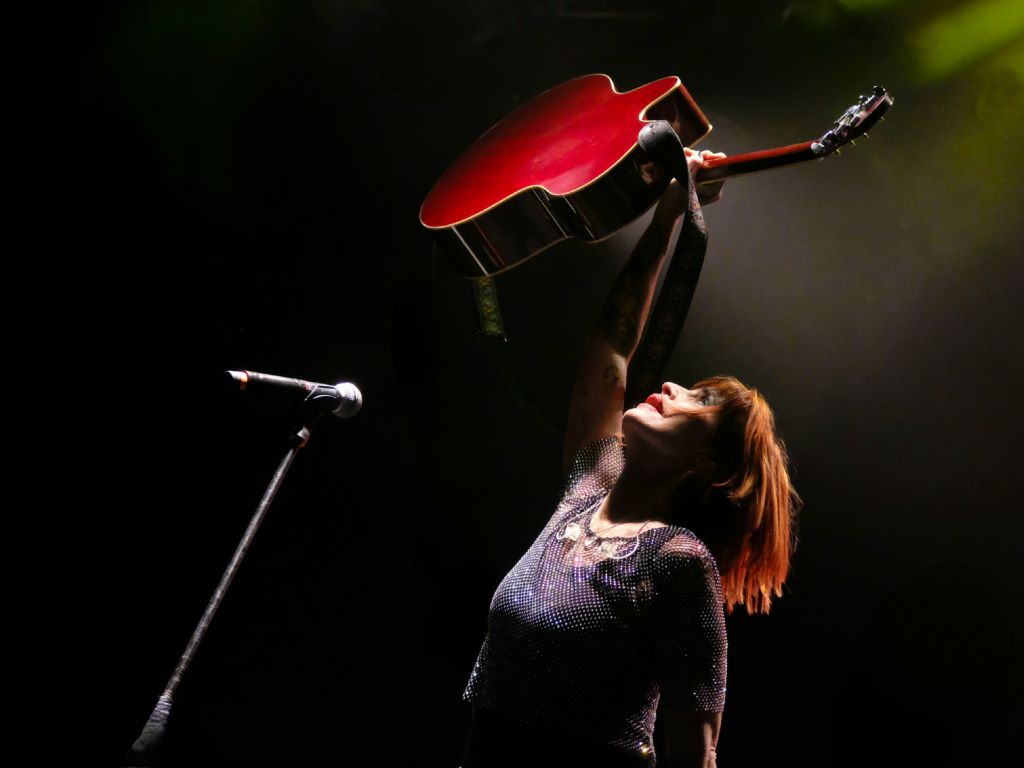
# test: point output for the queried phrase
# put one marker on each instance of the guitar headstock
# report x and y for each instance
(854, 122)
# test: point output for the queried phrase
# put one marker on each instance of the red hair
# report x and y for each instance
(740, 501)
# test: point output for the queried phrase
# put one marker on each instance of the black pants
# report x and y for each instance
(496, 741)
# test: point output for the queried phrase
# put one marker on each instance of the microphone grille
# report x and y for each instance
(351, 400)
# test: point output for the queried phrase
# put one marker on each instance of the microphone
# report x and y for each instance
(343, 399)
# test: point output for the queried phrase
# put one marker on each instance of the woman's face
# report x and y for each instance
(668, 428)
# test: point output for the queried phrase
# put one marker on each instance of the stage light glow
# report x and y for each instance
(966, 35)
(868, 5)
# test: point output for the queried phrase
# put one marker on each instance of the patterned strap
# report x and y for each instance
(488, 311)
(666, 320)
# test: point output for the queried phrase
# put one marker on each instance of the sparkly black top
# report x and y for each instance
(587, 633)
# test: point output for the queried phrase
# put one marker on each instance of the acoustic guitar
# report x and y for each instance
(568, 164)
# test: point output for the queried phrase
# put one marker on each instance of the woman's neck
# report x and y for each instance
(639, 495)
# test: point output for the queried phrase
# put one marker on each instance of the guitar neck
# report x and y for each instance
(716, 169)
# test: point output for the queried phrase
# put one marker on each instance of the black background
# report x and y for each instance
(200, 186)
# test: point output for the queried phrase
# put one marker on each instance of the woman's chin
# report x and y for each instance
(634, 425)
(642, 414)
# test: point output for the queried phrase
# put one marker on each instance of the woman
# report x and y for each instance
(672, 512)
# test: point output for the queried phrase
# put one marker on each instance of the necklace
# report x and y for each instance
(614, 549)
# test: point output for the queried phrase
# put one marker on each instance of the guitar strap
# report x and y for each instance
(488, 311)
(669, 312)
(491, 332)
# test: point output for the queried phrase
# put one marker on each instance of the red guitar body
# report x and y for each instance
(566, 164)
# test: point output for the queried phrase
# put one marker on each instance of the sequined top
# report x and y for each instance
(590, 634)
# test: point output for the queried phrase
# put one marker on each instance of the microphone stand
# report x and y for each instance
(146, 749)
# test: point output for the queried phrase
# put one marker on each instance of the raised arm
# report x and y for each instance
(598, 394)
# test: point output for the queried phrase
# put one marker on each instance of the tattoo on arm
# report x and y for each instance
(612, 377)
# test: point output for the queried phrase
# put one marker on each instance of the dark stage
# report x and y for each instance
(202, 186)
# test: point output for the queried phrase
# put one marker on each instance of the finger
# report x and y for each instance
(708, 200)
(694, 162)
(710, 193)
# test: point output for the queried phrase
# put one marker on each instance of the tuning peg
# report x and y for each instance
(865, 136)
(839, 151)
(853, 143)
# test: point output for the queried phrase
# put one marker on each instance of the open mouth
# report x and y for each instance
(654, 401)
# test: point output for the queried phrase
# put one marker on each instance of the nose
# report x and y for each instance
(669, 390)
